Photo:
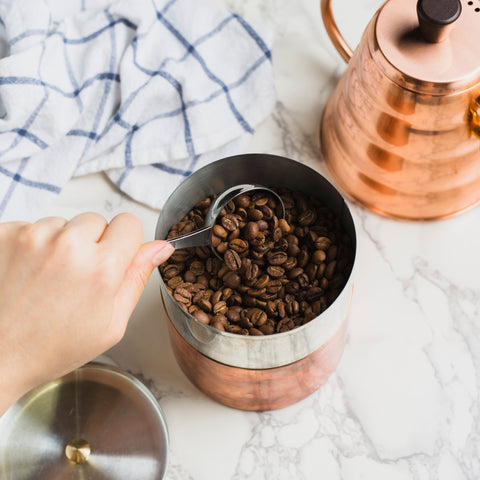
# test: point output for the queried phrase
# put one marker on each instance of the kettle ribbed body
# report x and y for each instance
(400, 150)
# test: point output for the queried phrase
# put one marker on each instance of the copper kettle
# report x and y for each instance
(401, 131)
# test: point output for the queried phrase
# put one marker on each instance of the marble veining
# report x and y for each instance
(404, 401)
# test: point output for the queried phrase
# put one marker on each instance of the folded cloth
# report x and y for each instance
(147, 91)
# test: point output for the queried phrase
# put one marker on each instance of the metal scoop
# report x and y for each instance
(203, 236)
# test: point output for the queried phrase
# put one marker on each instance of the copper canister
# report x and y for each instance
(271, 371)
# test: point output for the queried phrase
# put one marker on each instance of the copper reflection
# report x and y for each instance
(403, 147)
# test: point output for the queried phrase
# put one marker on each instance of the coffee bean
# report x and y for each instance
(229, 222)
(277, 258)
(232, 260)
(182, 295)
(255, 331)
(220, 231)
(218, 325)
(232, 279)
(251, 230)
(201, 316)
(262, 281)
(238, 245)
(275, 271)
(322, 243)
(220, 307)
(319, 256)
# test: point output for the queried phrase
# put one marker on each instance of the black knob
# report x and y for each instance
(436, 17)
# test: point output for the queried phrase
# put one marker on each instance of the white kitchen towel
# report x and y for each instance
(146, 90)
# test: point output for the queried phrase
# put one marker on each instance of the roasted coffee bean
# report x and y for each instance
(238, 245)
(294, 273)
(219, 318)
(277, 273)
(284, 226)
(201, 316)
(232, 260)
(258, 317)
(245, 322)
(232, 279)
(319, 256)
(307, 217)
(302, 258)
(233, 329)
(220, 231)
(330, 270)
(251, 230)
(322, 243)
(262, 281)
(174, 282)
(220, 307)
(332, 253)
(197, 267)
(218, 325)
(182, 295)
(170, 271)
(229, 222)
(205, 305)
(255, 331)
(277, 258)
(216, 296)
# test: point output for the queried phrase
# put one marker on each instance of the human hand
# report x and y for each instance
(67, 290)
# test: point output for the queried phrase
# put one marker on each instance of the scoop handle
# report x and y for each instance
(333, 32)
(197, 238)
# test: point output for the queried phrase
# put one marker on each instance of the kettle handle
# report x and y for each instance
(331, 27)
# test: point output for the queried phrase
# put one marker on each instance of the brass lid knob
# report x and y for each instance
(436, 18)
(77, 450)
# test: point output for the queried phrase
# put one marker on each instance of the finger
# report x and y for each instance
(90, 225)
(53, 222)
(122, 238)
(149, 256)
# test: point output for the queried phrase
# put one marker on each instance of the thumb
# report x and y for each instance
(149, 256)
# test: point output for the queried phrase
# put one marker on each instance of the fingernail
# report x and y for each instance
(163, 252)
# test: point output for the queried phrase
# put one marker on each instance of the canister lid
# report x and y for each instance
(97, 422)
(455, 55)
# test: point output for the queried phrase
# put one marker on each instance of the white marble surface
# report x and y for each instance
(404, 402)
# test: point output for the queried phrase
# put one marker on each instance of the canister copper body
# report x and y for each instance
(259, 389)
(402, 147)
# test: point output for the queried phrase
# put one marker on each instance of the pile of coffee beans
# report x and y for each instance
(275, 274)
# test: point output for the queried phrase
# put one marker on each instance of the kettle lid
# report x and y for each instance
(432, 41)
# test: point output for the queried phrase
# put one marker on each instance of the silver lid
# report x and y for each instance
(97, 422)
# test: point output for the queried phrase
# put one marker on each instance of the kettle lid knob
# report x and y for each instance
(436, 17)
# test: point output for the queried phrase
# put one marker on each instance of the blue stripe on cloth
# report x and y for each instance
(2, 23)
(13, 184)
(163, 168)
(30, 136)
(34, 81)
(258, 40)
(168, 5)
(18, 179)
(178, 87)
(71, 41)
(192, 50)
(71, 76)
(82, 133)
(107, 87)
(30, 183)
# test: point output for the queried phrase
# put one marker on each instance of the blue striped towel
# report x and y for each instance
(146, 90)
